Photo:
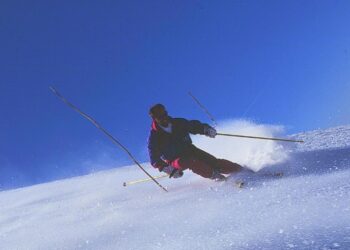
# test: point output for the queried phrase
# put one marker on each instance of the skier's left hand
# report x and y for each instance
(172, 172)
(210, 131)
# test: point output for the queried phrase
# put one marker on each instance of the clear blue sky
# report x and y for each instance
(276, 62)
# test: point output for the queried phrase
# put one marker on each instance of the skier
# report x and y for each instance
(171, 150)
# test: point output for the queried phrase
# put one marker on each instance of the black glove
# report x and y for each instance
(209, 131)
(172, 172)
(160, 165)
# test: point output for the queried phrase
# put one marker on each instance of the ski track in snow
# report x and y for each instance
(307, 208)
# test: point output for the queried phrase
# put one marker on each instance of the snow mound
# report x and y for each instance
(337, 137)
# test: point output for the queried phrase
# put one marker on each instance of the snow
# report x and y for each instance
(307, 208)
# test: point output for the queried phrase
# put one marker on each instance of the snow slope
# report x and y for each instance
(307, 208)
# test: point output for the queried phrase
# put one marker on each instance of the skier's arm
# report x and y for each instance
(154, 153)
(196, 127)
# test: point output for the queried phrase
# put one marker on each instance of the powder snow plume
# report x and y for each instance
(252, 153)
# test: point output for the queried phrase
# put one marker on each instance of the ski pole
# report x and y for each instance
(205, 110)
(143, 180)
(243, 136)
(106, 133)
(262, 138)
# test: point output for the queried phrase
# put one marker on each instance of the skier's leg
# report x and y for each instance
(227, 167)
(220, 165)
(197, 166)
(204, 156)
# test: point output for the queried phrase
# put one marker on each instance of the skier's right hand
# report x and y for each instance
(172, 172)
(160, 165)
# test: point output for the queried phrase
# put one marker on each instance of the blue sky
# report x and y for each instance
(275, 62)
